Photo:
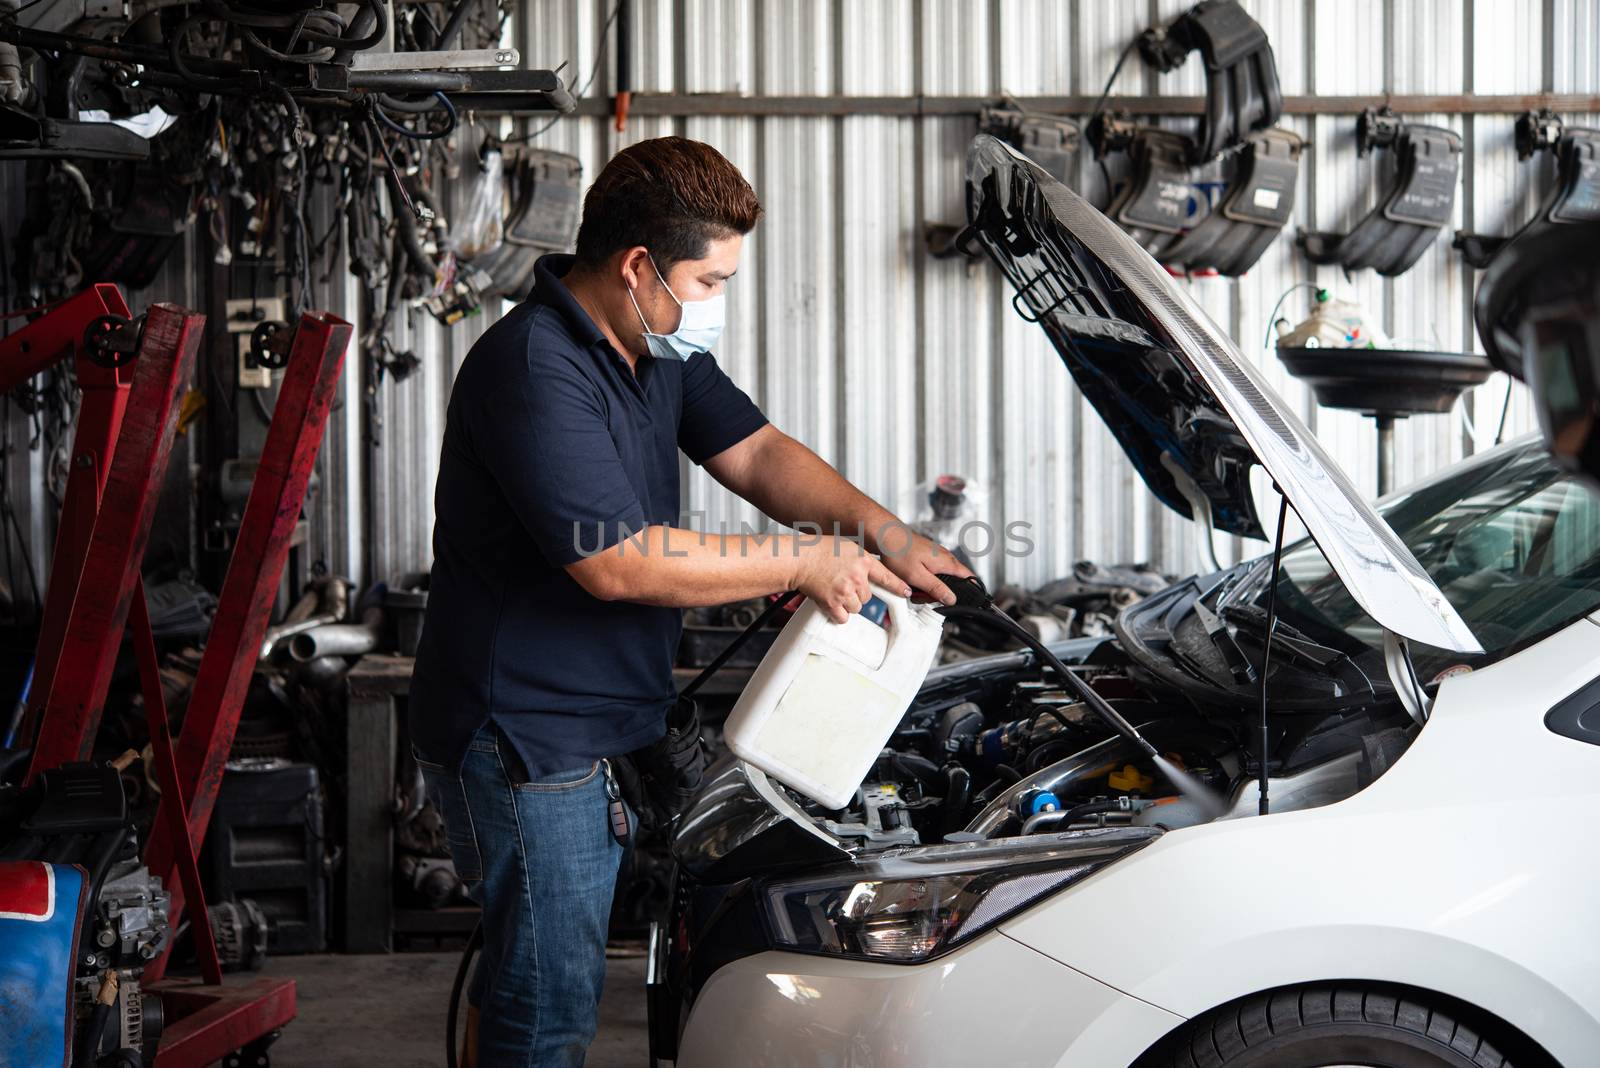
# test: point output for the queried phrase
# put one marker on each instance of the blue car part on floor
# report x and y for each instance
(41, 913)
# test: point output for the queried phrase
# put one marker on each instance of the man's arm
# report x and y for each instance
(793, 485)
(678, 568)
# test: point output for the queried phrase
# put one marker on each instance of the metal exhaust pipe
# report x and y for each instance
(339, 639)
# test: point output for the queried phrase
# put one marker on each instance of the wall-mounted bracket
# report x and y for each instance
(1575, 196)
(1394, 235)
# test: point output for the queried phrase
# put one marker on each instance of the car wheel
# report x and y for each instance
(1329, 1026)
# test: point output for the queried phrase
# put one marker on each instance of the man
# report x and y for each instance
(558, 577)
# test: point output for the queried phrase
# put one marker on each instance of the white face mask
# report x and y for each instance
(698, 327)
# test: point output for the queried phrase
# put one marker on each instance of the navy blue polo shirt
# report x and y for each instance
(554, 449)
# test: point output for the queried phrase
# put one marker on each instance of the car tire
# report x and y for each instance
(1327, 1024)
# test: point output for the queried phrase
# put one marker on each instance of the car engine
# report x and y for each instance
(77, 815)
(996, 748)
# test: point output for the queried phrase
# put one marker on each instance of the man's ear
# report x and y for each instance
(633, 266)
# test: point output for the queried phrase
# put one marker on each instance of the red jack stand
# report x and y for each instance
(124, 439)
(119, 460)
(214, 1018)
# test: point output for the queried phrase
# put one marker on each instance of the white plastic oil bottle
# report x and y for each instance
(1333, 324)
(827, 696)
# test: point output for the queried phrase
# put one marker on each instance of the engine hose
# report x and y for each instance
(179, 64)
(380, 28)
(453, 24)
(917, 767)
(317, 55)
(1048, 753)
(977, 606)
(411, 81)
(365, 19)
(1004, 776)
(103, 858)
(407, 236)
(957, 791)
(421, 135)
(1038, 820)
(379, 24)
(473, 945)
(408, 107)
(94, 1032)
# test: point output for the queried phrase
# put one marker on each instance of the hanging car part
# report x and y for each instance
(269, 344)
(313, 54)
(544, 188)
(1159, 203)
(1165, 205)
(1394, 235)
(1575, 197)
(1255, 205)
(1051, 141)
(1242, 92)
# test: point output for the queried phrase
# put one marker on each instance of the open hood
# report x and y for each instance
(1190, 411)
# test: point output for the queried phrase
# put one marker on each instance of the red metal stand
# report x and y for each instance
(205, 1023)
(120, 452)
(244, 608)
(35, 348)
(80, 634)
(155, 707)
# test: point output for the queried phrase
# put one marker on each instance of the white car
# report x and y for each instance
(1017, 884)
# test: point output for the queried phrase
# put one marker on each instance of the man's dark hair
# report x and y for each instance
(672, 195)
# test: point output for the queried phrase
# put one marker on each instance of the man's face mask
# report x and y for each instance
(698, 328)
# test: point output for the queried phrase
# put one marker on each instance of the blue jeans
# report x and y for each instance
(540, 859)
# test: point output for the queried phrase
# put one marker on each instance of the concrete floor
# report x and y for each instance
(390, 1010)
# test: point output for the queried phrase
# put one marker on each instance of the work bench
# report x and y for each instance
(375, 688)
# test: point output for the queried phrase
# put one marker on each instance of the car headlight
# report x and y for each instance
(920, 903)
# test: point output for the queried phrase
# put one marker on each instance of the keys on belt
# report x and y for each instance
(616, 808)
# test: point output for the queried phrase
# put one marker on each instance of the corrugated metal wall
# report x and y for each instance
(897, 367)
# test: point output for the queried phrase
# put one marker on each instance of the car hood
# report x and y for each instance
(1190, 411)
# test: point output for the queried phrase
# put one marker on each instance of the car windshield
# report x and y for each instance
(1513, 542)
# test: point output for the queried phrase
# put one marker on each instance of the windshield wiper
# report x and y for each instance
(1285, 638)
(1239, 665)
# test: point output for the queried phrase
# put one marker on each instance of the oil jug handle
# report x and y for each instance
(908, 629)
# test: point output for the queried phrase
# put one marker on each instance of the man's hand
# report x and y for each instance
(793, 485)
(920, 561)
(835, 572)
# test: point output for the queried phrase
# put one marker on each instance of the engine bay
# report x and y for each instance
(997, 747)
